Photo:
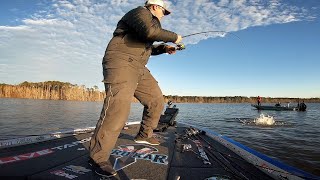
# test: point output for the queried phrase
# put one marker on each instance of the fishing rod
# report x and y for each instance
(222, 160)
(230, 166)
(181, 46)
(192, 132)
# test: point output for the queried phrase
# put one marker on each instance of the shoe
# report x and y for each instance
(142, 140)
(102, 169)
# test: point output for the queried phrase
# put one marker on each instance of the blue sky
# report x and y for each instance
(277, 54)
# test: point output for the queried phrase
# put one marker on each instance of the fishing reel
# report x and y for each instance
(188, 133)
(193, 132)
(180, 46)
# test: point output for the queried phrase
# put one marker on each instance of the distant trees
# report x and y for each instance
(56, 90)
(235, 99)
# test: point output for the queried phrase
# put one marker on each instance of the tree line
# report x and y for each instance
(52, 90)
(56, 90)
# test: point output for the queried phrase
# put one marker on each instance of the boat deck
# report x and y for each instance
(66, 158)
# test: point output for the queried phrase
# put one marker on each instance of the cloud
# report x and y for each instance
(231, 16)
(65, 40)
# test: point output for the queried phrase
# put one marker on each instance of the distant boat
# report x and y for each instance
(277, 108)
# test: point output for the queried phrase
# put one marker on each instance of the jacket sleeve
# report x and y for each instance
(158, 49)
(146, 26)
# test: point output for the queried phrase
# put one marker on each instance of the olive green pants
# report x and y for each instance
(122, 81)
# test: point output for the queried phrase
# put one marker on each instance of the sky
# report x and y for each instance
(270, 48)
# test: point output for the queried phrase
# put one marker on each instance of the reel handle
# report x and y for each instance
(180, 46)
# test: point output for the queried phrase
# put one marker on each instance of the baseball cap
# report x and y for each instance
(159, 3)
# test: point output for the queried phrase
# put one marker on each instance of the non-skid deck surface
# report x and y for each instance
(66, 158)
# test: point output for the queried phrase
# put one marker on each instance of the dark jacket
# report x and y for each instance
(134, 37)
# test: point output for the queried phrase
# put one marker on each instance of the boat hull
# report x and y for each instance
(275, 108)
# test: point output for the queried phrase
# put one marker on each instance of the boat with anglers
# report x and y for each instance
(279, 107)
(186, 152)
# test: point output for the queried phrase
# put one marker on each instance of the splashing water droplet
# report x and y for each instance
(264, 120)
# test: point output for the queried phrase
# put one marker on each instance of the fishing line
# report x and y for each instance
(205, 32)
(181, 46)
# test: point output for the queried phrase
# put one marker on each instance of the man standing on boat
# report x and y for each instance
(259, 100)
(125, 76)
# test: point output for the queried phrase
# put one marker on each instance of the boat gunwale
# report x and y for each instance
(14, 142)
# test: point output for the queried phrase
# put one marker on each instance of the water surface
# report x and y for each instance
(293, 138)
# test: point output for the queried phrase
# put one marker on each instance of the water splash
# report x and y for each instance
(265, 120)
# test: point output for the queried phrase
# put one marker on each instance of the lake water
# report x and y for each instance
(289, 136)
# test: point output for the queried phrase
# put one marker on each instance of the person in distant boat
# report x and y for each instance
(259, 100)
(278, 104)
(302, 106)
(125, 76)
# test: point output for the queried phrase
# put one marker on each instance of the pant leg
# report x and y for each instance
(150, 96)
(120, 84)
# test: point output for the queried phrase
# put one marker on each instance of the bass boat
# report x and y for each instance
(185, 152)
(276, 108)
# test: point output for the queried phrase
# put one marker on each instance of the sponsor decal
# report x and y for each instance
(128, 155)
(26, 156)
(283, 177)
(63, 174)
(43, 152)
(267, 168)
(76, 169)
(75, 143)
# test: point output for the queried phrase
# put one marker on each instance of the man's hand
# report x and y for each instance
(170, 49)
(179, 39)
